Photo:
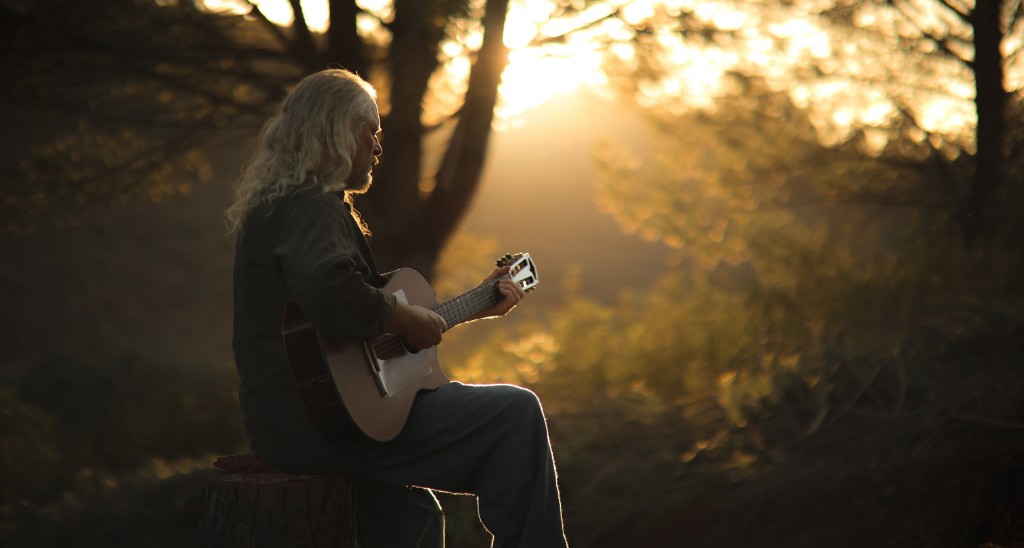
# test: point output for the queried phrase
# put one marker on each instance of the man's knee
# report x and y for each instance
(522, 400)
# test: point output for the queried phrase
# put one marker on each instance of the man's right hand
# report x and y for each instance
(418, 327)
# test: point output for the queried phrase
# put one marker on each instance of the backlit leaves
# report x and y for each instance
(97, 165)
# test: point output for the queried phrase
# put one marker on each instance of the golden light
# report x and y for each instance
(523, 22)
(636, 12)
(278, 11)
(536, 74)
(532, 77)
(946, 116)
(694, 72)
(723, 16)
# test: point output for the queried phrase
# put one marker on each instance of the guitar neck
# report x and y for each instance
(460, 309)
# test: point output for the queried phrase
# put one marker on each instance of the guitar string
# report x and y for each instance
(454, 311)
(467, 304)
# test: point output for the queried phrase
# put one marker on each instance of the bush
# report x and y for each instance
(117, 415)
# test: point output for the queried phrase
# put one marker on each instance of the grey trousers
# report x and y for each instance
(488, 440)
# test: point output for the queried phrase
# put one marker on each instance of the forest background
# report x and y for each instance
(779, 243)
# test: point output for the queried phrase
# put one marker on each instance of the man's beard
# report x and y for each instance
(361, 185)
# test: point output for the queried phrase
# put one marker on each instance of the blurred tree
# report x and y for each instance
(983, 40)
(30, 458)
(930, 82)
(750, 185)
(808, 326)
(116, 101)
(832, 276)
(117, 414)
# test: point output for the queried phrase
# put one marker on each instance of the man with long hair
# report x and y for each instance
(298, 238)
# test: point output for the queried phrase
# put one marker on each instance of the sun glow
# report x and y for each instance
(553, 52)
(279, 11)
(532, 76)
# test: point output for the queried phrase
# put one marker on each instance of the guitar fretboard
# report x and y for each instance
(460, 309)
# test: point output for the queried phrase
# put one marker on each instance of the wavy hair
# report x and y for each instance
(310, 140)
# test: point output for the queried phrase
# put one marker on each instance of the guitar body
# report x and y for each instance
(377, 380)
(372, 384)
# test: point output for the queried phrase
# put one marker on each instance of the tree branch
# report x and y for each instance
(964, 16)
(254, 11)
(942, 43)
(540, 39)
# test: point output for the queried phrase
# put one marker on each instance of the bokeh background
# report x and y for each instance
(780, 245)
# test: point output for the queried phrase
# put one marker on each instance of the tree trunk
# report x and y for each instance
(990, 102)
(394, 206)
(344, 46)
(459, 174)
(306, 52)
(409, 229)
(274, 510)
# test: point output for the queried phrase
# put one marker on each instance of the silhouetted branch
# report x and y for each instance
(269, 25)
(941, 42)
(964, 15)
(541, 39)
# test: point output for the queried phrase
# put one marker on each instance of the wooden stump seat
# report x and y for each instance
(252, 506)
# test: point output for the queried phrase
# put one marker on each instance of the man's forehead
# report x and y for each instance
(372, 117)
(366, 122)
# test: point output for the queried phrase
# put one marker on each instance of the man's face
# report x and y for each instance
(367, 135)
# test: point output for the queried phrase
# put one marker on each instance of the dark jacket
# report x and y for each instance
(306, 247)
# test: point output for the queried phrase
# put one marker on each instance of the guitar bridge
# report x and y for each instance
(375, 369)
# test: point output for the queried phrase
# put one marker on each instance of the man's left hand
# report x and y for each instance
(510, 293)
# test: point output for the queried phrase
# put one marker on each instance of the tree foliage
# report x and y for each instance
(982, 39)
(816, 346)
(938, 81)
(119, 101)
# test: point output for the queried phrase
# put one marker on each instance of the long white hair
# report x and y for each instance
(309, 140)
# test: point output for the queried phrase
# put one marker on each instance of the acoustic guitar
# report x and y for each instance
(375, 381)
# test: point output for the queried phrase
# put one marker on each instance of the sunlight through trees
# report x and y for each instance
(838, 185)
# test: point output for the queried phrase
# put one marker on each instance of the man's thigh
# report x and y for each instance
(449, 432)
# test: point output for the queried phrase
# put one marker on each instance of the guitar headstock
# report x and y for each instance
(521, 270)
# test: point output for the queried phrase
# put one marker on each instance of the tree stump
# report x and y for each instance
(275, 510)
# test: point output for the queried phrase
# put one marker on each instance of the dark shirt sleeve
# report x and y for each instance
(319, 256)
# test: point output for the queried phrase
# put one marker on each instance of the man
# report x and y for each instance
(299, 239)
